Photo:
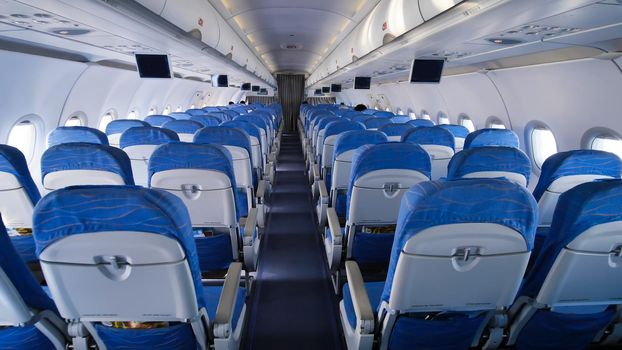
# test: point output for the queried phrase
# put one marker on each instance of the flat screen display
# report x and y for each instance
(318, 92)
(153, 66)
(325, 89)
(255, 88)
(426, 71)
(362, 83)
(221, 81)
(246, 87)
(263, 91)
(335, 87)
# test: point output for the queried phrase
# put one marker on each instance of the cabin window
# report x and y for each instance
(192, 106)
(167, 110)
(178, 109)
(465, 121)
(412, 115)
(74, 121)
(542, 143)
(425, 115)
(388, 109)
(400, 111)
(104, 121)
(442, 118)
(495, 123)
(152, 111)
(607, 141)
(133, 114)
(23, 137)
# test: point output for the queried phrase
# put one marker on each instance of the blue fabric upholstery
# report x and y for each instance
(456, 130)
(361, 118)
(399, 119)
(158, 120)
(214, 252)
(384, 114)
(86, 156)
(374, 291)
(337, 127)
(147, 135)
(23, 281)
(67, 134)
(212, 296)
(430, 136)
(225, 136)
(390, 155)
(396, 129)
(12, 161)
(506, 159)
(577, 162)
(86, 209)
(350, 140)
(195, 111)
(181, 116)
(491, 137)
(376, 123)
(258, 122)
(577, 210)
(175, 337)
(245, 125)
(321, 121)
(24, 338)
(206, 120)
(25, 247)
(118, 126)
(183, 126)
(421, 123)
(434, 203)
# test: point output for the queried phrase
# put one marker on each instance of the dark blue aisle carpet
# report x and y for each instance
(292, 305)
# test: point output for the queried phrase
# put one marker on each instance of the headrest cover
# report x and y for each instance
(396, 129)
(158, 120)
(421, 123)
(578, 209)
(206, 120)
(323, 120)
(577, 162)
(86, 156)
(436, 203)
(195, 111)
(255, 120)
(389, 155)
(223, 117)
(21, 277)
(245, 125)
(67, 134)
(147, 135)
(88, 209)
(224, 136)
(375, 123)
(507, 159)
(430, 136)
(458, 131)
(183, 126)
(491, 137)
(354, 139)
(384, 114)
(118, 126)
(12, 161)
(339, 126)
(361, 118)
(180, 116)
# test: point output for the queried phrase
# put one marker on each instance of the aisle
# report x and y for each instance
(292, 305)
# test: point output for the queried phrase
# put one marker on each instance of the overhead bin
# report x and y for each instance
(194, 15)
(431, 8)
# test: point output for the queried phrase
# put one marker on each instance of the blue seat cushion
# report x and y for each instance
(341, 204)
(329, 233)
(372, 248)
(241, 202)
(214, 252)
(374, 291)
(553, 330)
(212, 296)
(23, 338)
(25, 247)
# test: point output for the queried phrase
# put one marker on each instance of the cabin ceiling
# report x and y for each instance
(293, 35)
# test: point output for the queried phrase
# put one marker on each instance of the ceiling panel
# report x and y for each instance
(293, 35)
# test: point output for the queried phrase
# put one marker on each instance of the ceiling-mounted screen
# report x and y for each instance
(362, 83)
(426, 71)
(255, 88)
(318, 92)
(246, 87)
(335, 87)
(221, 81)
(263, 91)
(325, 89)
(153, 66)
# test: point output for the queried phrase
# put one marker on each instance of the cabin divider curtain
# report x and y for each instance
(291, 93)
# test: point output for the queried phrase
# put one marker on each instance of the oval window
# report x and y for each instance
(133, 114)
(495, 123)
(442, 118)
(104, 121)
(167, 110)
(542, 144)
(152, 111)
(23, 137)
(465, 121)
(607, 141)
(74, 121)
(425, 115)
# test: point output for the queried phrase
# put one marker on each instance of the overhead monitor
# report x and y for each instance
(255, 88)
(263, 91)
(153, 66)
(221, 81)
(335, 87)
(325, 89)
(362, 83)
(318, 92)
(426, 71)
(246, 87)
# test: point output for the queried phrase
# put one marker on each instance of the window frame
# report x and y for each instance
(442, 115)
(494, 120)
(462, 117)
(424, 115)
(529, 143)
(37, 124)
(136, 113)
(76, 116)
(113, 115)
(588, 138)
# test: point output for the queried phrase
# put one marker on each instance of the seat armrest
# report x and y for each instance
(261, 191)
(333, 225)
(317, 174)
(250, 227)
(226, 303)
(360, 299)
(323, 191)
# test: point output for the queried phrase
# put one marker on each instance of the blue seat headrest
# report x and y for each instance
(430, 136)
(354, 139)
(339, 126)
(457, 130)
(183, 126)
(375, 123)
(118, 126)
(396, 129)
(224, 136)
(12, 161)
(421, 123)
(147, 135)
(206, 120)
(492, 137)
(492, 158)
(158, 120)
(66, 134)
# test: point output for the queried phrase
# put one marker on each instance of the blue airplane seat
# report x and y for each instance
(421, 123)
(491, 162)
(66, 134)
(439, 143)
(491, 137)
(158, 120)
(185, 129)
(115, 128)
(395, 131)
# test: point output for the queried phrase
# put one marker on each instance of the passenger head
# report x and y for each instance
(242, 102)
(231, 103)
(360, 107)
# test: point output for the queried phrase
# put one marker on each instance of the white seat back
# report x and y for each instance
(65, 178)
(139, 156)
(15, 205)
(440, 156)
